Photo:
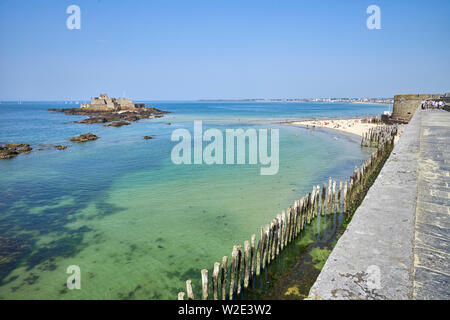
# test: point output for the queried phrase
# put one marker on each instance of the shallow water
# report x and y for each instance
(291, 275)
(137, 225)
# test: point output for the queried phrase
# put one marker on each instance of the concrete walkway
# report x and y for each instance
(397, 244)
(432, 243)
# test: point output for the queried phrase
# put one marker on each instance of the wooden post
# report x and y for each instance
(280, 231)
(180, 295)
(305, 207)
(313, 199)
(298, 213)
(223, 278)
(308, 211)
(278, 234)
(252, 258)
(317, 200)
(291, 231)
(239, 270)
(339, 195)
(283, 229)
(294, 220)
(329, 196)
(274, 239)
(333, 199)
(305, 211)
(356, 182)
(189, 291)
(298, 216)
(258, 256)
(302, 213)
(204, 284)
(246, 263)
(350, 195)
(234, 255)
(263, 247)
(363, 174)
(359, 177)
(269, 246)
(324, 191)
(306, 204)
(288, 226)
(266, 247)
(215, 277)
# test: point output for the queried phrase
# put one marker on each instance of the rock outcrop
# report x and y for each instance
(102, 116)
(118, 124)
(84, 137)
(93, 120)
(11, 150)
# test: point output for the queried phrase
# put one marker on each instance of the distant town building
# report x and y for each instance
(105, 103)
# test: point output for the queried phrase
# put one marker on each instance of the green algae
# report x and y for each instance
(319, 257)
(294, 291)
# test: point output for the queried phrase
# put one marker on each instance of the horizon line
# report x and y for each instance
(204, 99)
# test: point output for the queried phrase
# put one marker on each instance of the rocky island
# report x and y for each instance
(118, 111)
(113, 112)
(11, 150)
(84, 137)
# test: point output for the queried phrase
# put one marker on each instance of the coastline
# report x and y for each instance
(126, 200)
(292, 101)
(376, 103)
(353, 125)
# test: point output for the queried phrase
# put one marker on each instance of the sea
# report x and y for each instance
(135, 224)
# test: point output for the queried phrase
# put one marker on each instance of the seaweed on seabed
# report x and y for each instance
(11, 250)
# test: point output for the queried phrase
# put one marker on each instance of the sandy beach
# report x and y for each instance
(353, 126)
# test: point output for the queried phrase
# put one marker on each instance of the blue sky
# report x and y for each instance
(185, 50)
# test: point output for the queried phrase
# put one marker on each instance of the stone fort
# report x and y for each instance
(105, 103)
(406, 104)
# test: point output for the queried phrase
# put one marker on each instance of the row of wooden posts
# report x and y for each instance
(249, 261)
(372, 119)
(377, 135)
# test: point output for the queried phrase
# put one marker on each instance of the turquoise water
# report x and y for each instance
(137, 225)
